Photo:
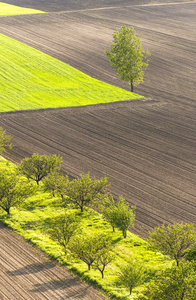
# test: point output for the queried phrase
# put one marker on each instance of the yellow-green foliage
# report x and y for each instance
(31, 218)
(8, 9)
(30, 79)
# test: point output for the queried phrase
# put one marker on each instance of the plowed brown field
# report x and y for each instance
(146, 148)
(26, 273)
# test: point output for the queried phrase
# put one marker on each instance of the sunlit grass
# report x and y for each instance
(36, 211)
(30, 79)
(8, 10)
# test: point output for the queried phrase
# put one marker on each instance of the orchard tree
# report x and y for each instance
(4, 141)
(109, 211)
(84, 191)
(13, 189)
(103, 258)
(118, 214)
(173, 240)
(131, 275)
(125, 216)
(56, 184)
(63, 228)
(88, 247)
(176, 283)
(39, 166)
(127, 57)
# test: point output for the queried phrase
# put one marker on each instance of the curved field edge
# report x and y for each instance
(30, 79)
(10, 10)
(36, 211)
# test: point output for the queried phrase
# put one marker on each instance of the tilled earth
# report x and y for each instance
(146, 148)
(26, 273)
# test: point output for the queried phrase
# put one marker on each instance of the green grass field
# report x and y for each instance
(30, 79)
(8, 10)
(36, 211)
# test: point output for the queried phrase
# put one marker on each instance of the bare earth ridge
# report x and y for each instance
(146, 148)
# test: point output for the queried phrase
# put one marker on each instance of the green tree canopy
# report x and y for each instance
(85, 191)
(125, 216)
(176, 283)
(39, 166)
(118, 214)
(127, 56)
(103, 258)
(62, 228)
(56, 183)
(173, 240)
(131, 275)
(13, 189)
(88, 247)
(4, 141)
(109, 211)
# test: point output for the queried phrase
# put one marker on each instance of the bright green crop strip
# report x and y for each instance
(8, 10)
(30, 219)
(30, 79)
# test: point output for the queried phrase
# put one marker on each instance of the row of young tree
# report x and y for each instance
(177, 240)
(81, 192)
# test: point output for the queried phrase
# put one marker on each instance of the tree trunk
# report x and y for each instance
(130, 290)
(7, 211)
(113, 228)
(89, 267)
(177, 261)
(102, 274)
(125, 234)
(132, 85)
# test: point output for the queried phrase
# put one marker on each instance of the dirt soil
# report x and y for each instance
(27, 273)
(146, 148)
(65, 5)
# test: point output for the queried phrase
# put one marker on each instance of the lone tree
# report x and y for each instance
(39, 166)
(4, 141)
(13, 190)
(127, 56)
(84, 191)
(173, 240)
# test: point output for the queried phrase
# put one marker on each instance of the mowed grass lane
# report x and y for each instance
(30, 79)
(8, 10)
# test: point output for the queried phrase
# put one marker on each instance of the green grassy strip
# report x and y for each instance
(30, 79)
(8, 10)
(35, 212)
